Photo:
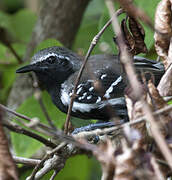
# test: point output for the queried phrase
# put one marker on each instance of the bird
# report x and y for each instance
(100, 91)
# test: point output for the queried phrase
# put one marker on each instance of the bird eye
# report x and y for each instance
(51, 59)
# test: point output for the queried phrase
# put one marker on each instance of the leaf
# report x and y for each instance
(77, 162)
(147, 6)
(22, 24)
(165, 84)
(89, 27)
(25, 146)
(107, 37)
(4, 20)
(8, 71)
(134, 36)
(163, 34)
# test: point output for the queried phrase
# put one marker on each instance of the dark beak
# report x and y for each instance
(26, 68)
(32, 67)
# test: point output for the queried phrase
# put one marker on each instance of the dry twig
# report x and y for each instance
(92, 45)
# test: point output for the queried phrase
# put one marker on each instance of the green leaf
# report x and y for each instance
(22, 24)
(4, 20)
(24, 145)
(76, 168)
(89, 27)
(8, 71)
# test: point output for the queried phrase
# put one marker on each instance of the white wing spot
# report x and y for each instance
(80, 98)
(79, 90)
(79, 85)
(110, 89)
(82, 107)
(91, 89)
(98, 99)
(103, 76)
(89, 97)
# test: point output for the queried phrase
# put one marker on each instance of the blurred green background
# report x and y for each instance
(18, 18)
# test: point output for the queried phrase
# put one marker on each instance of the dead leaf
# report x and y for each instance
(162, 36)
(165, 84)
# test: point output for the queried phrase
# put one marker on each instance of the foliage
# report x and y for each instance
(19, 27)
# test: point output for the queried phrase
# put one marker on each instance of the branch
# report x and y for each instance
(38, 96)
(20, 130)
(115, 128)
(92, 45)
(38, 166)
(43, 126)
(26, 161)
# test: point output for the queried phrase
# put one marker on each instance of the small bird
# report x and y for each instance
(100, 92)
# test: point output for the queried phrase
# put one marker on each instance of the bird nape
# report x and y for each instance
(100, 92)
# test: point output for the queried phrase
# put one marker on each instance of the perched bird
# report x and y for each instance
(100, 92)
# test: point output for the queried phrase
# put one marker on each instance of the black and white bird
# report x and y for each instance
(57, 69)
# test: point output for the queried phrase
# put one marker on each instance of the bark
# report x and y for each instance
(58, 19)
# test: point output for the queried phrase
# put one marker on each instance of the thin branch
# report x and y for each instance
(24, 117)
(112, 129)
(38, 166)
(14, 53)
(54, 175)
(20, 130)
(38, 96)
(156, 169)
(26, 161)
(44, 110)
(136, 12)
(67, 139)
(7, 63)
(157, 134)
(92, 45)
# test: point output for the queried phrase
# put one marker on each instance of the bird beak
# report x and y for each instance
(26, 68)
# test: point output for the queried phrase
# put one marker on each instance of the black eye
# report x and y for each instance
(51, 59)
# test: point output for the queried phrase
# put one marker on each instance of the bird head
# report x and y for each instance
(53, 65)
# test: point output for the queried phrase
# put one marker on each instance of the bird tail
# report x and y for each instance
(149, 68)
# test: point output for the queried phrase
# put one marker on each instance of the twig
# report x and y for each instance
(57, 134)
(68, 139)
(54, 175)
(26, 161)
(38, 166)
(25, 118)
(14, 53)
(126, 61)
(38, 96)
(20, 130)
(157, 134)
(6, 63)
(136, 12)
(92, 45)
(112, 129)
(156, 169)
